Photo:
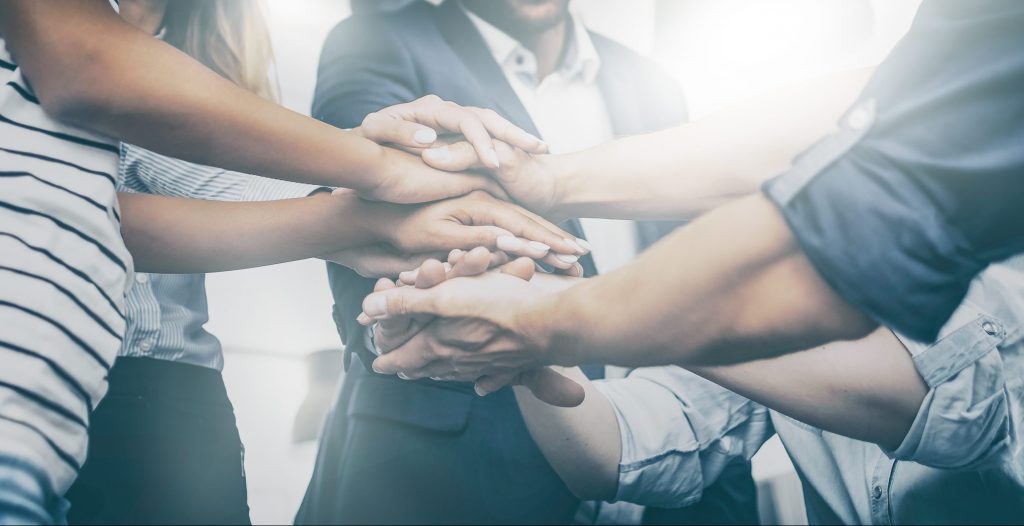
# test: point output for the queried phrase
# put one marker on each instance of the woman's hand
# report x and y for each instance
(473, 220)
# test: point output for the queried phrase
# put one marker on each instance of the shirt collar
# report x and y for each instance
(581, 61)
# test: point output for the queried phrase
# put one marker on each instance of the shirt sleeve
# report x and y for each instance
(678, 432)
(972, 415)
(144, 171)
(920, 189)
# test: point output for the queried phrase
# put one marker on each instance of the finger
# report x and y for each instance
(486, 385)
(455, 255)
(409, 357)
(561, 261)
(474, 263)
(457, 157)
(503, 130)
(522, 247)
(499, 258)
(385, 127)
(522, 268)
(489, 211)
(553, 388)
(431, 273)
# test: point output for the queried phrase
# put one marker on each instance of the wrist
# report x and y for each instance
(370, 168)
(551, 330)
(563, 170)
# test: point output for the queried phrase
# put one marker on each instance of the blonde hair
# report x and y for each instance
(228, 36)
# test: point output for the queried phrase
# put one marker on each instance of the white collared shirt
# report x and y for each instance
(570, 113)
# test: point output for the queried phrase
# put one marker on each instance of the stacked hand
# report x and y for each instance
(482, 334)
(445, 151)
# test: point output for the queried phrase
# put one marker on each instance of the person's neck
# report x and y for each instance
(548, 45)
(147, 15)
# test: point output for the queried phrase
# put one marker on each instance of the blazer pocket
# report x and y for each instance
(414, 403)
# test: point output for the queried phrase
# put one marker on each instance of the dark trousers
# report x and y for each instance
(163, 449)
(398, 452)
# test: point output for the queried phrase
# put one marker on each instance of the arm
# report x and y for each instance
(680, 172)
(170, 235)
(91, 69)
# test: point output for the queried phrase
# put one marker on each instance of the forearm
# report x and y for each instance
(685, 171)
(105, 75)
(867, 389)
(581, 443)
(172, 235)
(731, 286)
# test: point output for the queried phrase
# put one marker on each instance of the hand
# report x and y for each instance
(470, 221)
(414, 126)
(528, 179)
(420, 330)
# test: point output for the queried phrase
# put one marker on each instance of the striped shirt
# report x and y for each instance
(63, 273)
(166, 312)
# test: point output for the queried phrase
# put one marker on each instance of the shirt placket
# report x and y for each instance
(880, 492)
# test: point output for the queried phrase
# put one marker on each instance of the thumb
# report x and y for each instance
(553, 388)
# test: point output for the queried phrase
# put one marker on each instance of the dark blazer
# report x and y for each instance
(424, 451)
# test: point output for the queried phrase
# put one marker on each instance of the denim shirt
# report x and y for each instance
(961, 461)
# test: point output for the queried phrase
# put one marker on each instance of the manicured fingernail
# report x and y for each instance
(540, 247)
(363, 319)
(376, 305)
(425, 136)
(403, 376)
(480, 391)
(435, 378)
(565, 258)
(441, 155)
(492, 157)
(447, 267)
(509, 243)
(584, 244)
(575, 246)
(375, 368)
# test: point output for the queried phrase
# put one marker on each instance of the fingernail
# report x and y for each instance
(480, 391)
(540, 247)
(447, 267)
(565, 258)
(376, 306)
(363, 319)
(425, 136)
(492, 156)
(375, 368)
(576, 246)
(583, 243)
(509, 243)
(403, 376)
(441, 155)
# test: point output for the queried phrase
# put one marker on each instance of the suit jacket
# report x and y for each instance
(375, 60)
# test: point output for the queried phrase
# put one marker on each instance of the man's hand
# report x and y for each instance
(426, 331)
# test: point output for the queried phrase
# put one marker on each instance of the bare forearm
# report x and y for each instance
(581, 443)
(867, 389)
(103, 74)
(685, 171)
(172, 235)
(731, 286)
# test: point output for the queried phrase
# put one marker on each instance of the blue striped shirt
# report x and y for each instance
(166, 312)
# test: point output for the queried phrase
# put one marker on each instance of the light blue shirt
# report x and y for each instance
(961, 462)
(166, 312)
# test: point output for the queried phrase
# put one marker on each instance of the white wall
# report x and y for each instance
(721, 50)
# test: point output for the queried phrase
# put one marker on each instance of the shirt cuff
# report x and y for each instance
(964, 419)
(267, 189)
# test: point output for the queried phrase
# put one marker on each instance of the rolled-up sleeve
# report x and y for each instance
(919, 191)
(971, 416)
(679, 431)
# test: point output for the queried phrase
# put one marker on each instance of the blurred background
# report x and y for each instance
(282, 358)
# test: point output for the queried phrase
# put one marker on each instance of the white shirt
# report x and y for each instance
(570, 113)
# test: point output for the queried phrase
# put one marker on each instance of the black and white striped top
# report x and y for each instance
(63, 274)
